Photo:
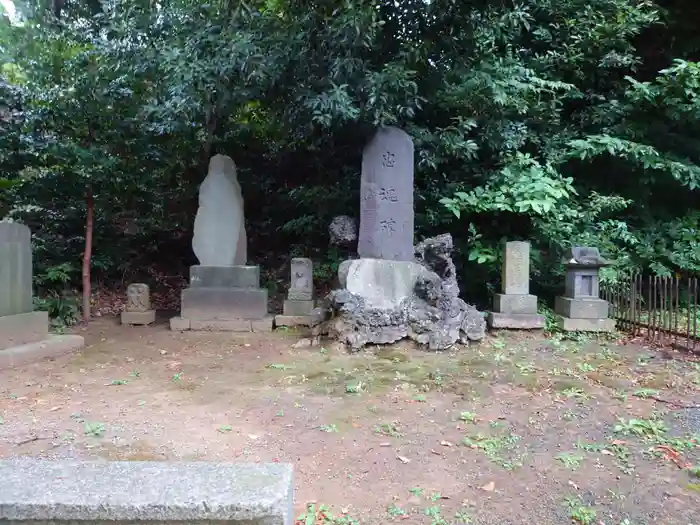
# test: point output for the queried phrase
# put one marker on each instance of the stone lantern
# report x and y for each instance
(581, 308)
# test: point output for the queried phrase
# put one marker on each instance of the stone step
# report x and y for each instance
(223, 303)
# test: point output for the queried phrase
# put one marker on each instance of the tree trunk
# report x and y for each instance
(87, 255)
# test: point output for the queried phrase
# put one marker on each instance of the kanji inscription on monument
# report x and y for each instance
(386, 197)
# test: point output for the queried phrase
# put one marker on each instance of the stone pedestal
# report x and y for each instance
(580, 309)
(515, 308)
(224, 298)
(298, 309)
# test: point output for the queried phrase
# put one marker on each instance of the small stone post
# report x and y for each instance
(515, 307)
(580, 308)
(138, 305)
(298, 309)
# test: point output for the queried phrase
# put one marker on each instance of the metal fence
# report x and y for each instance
(664, 310)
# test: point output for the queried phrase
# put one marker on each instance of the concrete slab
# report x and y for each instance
(179, 324)
(155, 492)
(499, 320)
(586, 325)
(52, 346)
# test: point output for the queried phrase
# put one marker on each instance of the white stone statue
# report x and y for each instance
(219, 226)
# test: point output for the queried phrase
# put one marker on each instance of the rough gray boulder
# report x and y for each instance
(343, 231)
(384, 301)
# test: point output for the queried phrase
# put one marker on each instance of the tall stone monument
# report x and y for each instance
(386, 197)
(581, 309)
(298, 309)
(515, 307)
(395, 289)
(24, 333)
(224, 292)
(138, 305)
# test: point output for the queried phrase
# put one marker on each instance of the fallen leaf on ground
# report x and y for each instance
(489, 487)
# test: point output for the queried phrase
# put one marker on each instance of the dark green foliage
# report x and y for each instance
(562, 122)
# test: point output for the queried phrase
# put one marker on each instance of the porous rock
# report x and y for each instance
(384, 301)
(343, 231)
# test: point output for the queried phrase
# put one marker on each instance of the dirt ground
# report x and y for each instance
(515, 430)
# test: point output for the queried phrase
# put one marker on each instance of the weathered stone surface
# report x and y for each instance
(139, 318)
(512, 321)
(225, 276)
(383, 284)
(515, 304)
(179, 324)
(219, 226)
(516, 268)
(302, 281)
(22, 329)
(220, 325)
(312, 319)
(386, 197)
(293, 307)
(515, 308)
(51, 346)
(586, 325)
(264, 324)
(385, 301)
(15, 269)
(581, 308)
(223, 303)
(138, 298)
(101, 492)
(582, 283)
(343, 231)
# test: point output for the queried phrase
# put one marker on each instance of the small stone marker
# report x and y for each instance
(581, 309)
(224, 294)
(138, 305)
(298, 309)
(386, 197)
(24, 333)
(149, 492)
(515, 308)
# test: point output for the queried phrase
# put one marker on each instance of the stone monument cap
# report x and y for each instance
(584, 256)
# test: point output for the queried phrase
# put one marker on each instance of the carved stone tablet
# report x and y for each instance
(302, 284)
(516, 268)
(386, 197)
(138, 298)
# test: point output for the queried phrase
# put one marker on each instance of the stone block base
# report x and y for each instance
(52, 346)
(141, 318)
(205, 304)
(515, 321)
(145, 492)
(181, 324)
(225, 277)
(581, 308)
(585, 325)
(22, 329)
(294, 307)
(515, 303)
